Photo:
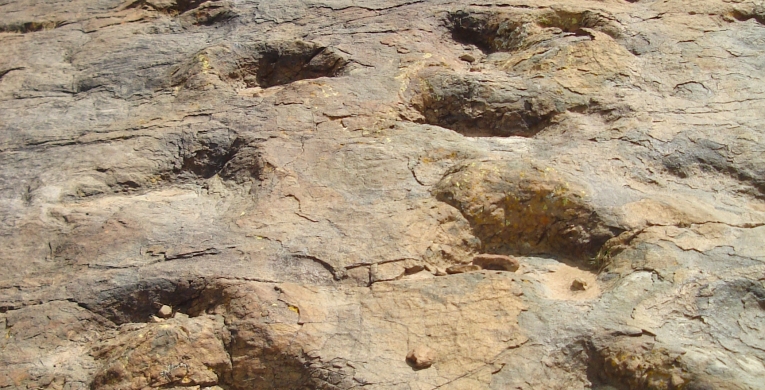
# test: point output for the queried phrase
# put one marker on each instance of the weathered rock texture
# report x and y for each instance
(245, 194)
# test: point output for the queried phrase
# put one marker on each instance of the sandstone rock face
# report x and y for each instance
(175, 353)
(245, 194)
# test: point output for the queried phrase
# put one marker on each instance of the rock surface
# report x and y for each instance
(293, 178)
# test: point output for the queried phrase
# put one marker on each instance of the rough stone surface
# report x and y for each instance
(185, 352)
(294, 177)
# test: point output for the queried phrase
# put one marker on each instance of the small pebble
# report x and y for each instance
(165, 312)
(421, 357)
(579, 285)
(467, 58)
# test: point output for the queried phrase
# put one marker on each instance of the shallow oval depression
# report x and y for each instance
(490, 104)
(508, 92)
(259, 65)
(217, 333)
(189, 12)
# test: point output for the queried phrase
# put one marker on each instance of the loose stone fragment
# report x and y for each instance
(467, 58)
(497, 262)
(676, 381)
(462, 268)
(579, 285)
(421, 357)
(165, 312)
